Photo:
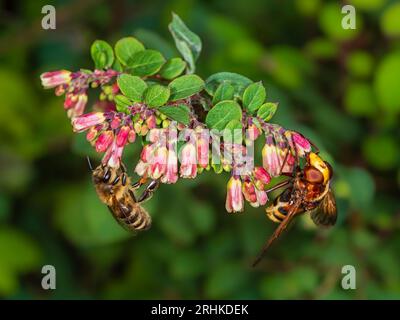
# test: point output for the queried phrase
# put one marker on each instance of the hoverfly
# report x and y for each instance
(114, 188)
(308, 191)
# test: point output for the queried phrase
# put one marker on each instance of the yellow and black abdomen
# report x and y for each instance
(278, 210)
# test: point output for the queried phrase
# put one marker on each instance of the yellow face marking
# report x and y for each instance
(318, 163)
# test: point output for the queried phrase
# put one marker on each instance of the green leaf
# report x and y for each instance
(102, 54)
(146, 63)
(122, 103)
(185, 86)
(267, 111)
(233, 131)
(125, 49)
(222, 113)
(238, 82)
(172, 68)
(225, 91)
(132, 87)
(187, 42)
(156, 95)
(254, 96)
(178, 113)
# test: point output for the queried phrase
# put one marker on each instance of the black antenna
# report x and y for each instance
(89, 163)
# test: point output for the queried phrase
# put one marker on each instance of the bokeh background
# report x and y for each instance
(340, 88)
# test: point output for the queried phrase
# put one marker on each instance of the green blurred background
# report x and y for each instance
(339, 87)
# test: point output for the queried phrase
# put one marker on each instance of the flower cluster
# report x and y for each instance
(191, 125)
(74, 85)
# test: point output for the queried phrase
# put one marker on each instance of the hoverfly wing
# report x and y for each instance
(326, 213)
(278, 231)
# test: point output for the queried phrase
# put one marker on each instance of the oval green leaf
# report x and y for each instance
(146, 63)
(178, 113)
(156, 95)
(185, 86)
(267, 111)
(132, 87)
(254, 96)
(238, 82)
(102, 54)
(225, 91)
(125, 49)
(172, 68)
(223, 113)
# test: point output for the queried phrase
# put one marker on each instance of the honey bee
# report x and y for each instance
(308, 191)
(114, 188)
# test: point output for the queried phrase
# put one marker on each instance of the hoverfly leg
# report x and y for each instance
(277, 186)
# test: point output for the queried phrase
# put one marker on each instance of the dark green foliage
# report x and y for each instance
(343, 95)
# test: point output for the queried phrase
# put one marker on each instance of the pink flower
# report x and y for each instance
(131, 136)
(202, 151)
(141, 167)
(253, 132)
(188, 161)
(87, 120)
(234, 197)
(171, 174)
(75, 104)
(301, 143)
(254, 196)
(91, 134)
(122, 136)
(262, 175)
(272, 159)
(113, 155)
(104, 141)
(158, 164)
(55, 78)
(151, 122)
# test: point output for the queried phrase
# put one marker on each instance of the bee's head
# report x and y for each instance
(317, 170)
(103, 174)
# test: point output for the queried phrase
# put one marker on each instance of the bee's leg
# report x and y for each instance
(139, 183)
(89, 163)
(148, 193)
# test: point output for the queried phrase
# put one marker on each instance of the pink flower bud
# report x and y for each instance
(273, 158)
(234, 198)
(131, 136)
(91, 134)
(122, 136)
(253, 132)
(151, 122)
(171, 174)
(87, 120)
(249, 192)
(158, 163)
(188, 167)
(115, 123)
(104, 141)
(203, 151)
(80, 104)
(301, 143)
(262, 175)
(55, 78)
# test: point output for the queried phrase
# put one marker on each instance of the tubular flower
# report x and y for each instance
(171, 173)
(261, 177)
(254, 196)
(188, 167)
(104, 141)
(55, 78)
(272, 157)
(234, 197)
(158, 163)
(203, 144)
(302, 145)
(87, 120)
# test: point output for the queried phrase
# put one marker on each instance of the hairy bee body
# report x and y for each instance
(114, 189)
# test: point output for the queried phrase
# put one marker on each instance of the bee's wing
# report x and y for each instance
(278, 231)
(326, 213)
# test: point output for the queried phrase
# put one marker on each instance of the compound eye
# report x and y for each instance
(313, 175)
